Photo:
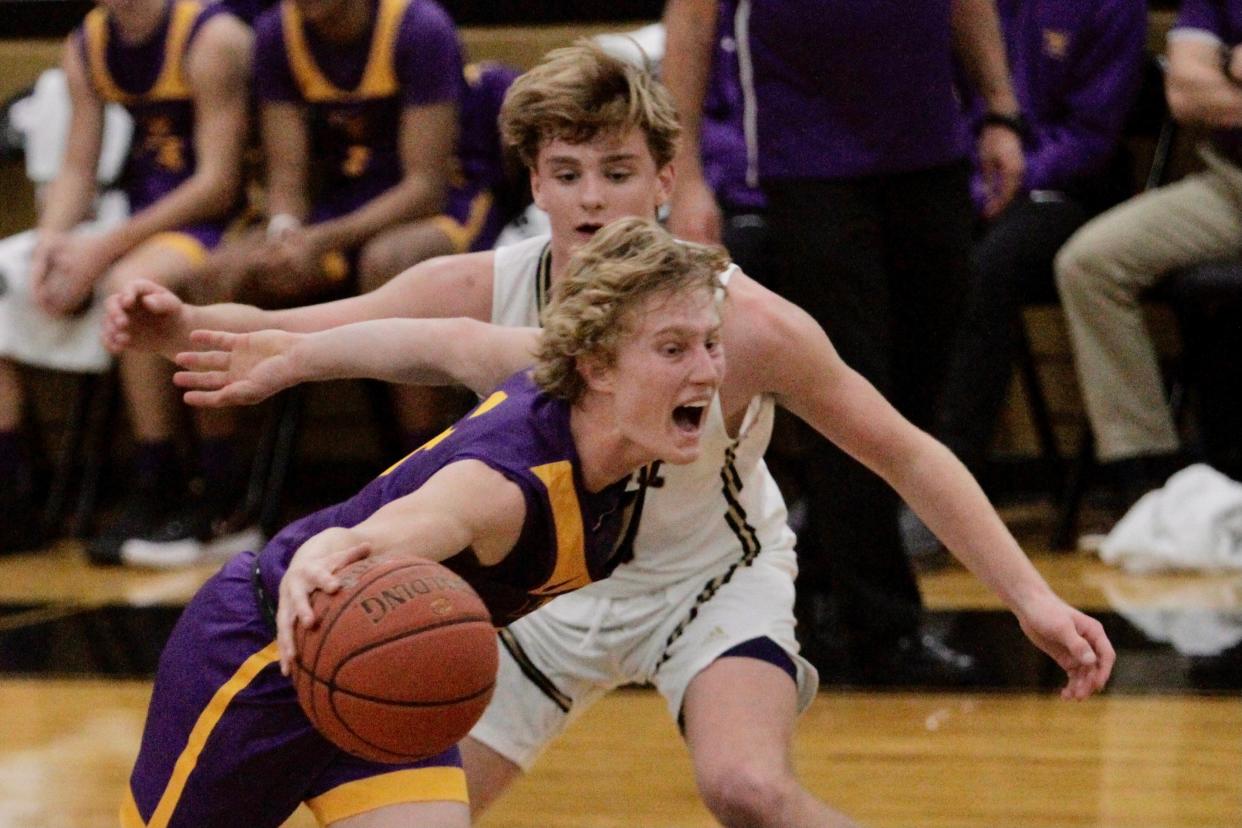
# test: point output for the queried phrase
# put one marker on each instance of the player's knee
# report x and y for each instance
(748, 793)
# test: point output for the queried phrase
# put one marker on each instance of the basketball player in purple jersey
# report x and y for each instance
(704, 610)
(181, 68)
(226, 743)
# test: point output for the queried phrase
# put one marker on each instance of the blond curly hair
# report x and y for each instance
(606, 281)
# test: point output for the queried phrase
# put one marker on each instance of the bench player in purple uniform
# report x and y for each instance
(626, 367)
(181, 68)
(705, 609)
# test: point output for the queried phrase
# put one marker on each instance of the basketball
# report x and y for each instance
(401, 663)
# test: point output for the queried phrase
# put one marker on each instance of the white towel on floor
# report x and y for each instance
(1193, 522)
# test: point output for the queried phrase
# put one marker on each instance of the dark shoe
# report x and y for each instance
(141, 514)
(201, 532)
(921, 660)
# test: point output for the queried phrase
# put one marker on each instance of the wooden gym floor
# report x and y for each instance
(1162, 749)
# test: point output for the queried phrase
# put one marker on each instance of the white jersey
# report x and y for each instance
(701, 519)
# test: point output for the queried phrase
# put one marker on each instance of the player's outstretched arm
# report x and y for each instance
(439, 519)
(243, 369)
(839, 403)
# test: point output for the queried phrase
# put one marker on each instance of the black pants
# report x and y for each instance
(1012, 267)
(881, 263)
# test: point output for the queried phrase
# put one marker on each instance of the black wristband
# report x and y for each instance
(1015, 123)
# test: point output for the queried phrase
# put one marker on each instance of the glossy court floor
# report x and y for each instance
(1162, 749)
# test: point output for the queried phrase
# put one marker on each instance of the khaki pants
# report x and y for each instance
(1102, 273)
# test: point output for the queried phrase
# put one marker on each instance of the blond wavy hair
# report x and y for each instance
(580, 92)
(606, 283)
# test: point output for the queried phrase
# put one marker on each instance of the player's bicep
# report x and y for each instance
(486, 355)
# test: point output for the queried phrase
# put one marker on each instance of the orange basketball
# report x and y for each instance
(401, 663)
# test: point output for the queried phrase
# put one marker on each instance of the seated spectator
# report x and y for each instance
(359, 105)
(1104, 270)
(1076, 68)
(181, 69)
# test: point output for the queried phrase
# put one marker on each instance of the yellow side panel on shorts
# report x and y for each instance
(409, 785)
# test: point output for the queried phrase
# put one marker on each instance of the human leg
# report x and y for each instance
(827, 242)
(1101, 274)
(1012, 267)
(739, 716)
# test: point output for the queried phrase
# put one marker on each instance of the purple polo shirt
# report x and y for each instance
(1220, 20)
(849, 88)
(1076, 67)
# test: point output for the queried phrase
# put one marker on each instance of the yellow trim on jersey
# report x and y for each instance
(460, 235)
(487, 405)
(130, 818)
(379, 77)
(185, 244)
(571, 569)
(171, 85)
(207, 721)
(434, 784)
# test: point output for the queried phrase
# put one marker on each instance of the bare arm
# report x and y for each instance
(441, 518)
(218, 69)
(1198, 90)
(845, 408)
(978, 44)
(70, 194)
(691, 32)
(286, 150)
(242, 369)
(427, 137)
(147, 317)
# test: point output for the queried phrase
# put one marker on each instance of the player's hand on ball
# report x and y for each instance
(236, 369)
(313, 567)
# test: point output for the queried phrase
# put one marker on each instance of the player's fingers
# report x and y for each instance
(161, 302)
(204, 360)
(201, 380)
(215, 340)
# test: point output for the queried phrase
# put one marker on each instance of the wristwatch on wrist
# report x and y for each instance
(1014, 122)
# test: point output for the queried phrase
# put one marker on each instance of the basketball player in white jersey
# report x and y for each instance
(704, 608)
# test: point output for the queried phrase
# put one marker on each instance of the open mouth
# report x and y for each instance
(589, 229)
(689, 418)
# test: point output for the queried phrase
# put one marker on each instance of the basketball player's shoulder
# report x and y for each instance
(221, 46)
(758, 324)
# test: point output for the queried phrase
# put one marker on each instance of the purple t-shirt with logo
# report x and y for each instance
(846, 88)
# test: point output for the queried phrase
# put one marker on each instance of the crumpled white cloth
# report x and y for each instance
(1193, 522)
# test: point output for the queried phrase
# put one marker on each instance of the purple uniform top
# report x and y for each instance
(354, 94)
(722, 139)
(479, 150)
(149, 80)
(1221, 21)
(844, 89)
(1076, 68)
(570, 536)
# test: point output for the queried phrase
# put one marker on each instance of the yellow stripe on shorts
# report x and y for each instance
(435, 784)
(207, 721)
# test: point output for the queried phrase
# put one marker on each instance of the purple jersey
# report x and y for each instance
(1076, 69)
(226, 743)
(1220, 20)
(722, 139)
(149, 80)
(570, 535)
(844, 89)
(354, 94)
